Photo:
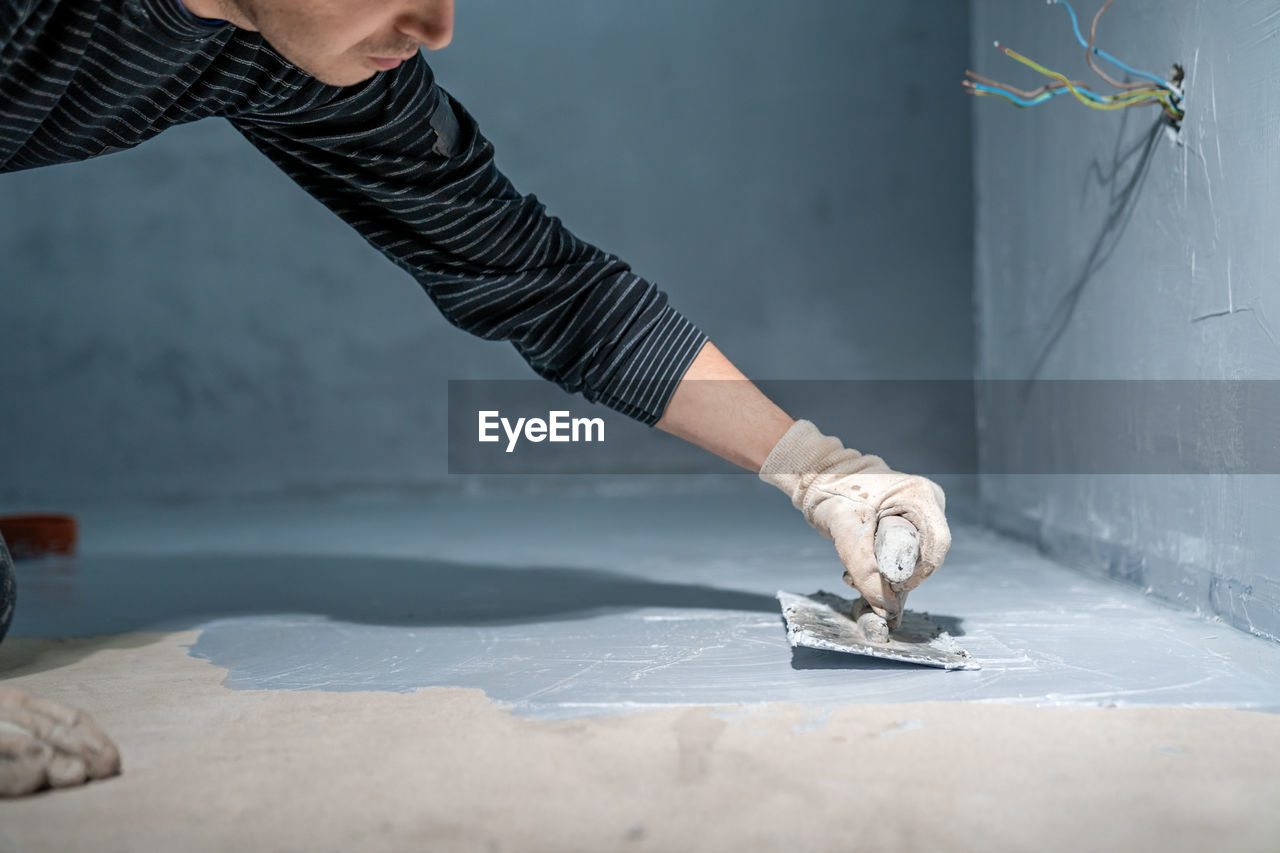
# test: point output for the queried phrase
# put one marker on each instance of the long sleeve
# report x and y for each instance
(405, 164)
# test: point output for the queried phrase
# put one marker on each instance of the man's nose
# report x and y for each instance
(432, 27)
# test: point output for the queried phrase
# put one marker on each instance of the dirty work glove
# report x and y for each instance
(843, 495)
(45, 744)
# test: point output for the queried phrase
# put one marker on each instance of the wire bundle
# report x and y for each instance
(1153, 91)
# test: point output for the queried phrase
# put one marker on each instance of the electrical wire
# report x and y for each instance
(1085, 96)
(1088, 46)
(1130, 94)
(1059, 87)
(1089, 52)
(1056, 87)
(981, 89)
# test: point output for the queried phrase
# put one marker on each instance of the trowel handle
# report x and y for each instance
(897, 548)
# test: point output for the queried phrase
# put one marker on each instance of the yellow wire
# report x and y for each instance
(1172, 114)
(1115, 102)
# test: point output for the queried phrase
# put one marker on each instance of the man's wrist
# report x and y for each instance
(720, 410)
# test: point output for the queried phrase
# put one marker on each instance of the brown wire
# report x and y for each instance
(1049, 87)
(1144, 103)
(1034, 93)
(1093, 35)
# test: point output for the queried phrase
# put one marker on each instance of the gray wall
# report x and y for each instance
(1108, 250)
(181, 321)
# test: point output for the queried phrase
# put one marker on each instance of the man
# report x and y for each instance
(336, 93)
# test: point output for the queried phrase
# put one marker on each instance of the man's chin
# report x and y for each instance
(346, 76)
(347, 80)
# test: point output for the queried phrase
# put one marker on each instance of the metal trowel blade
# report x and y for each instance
(823, 621)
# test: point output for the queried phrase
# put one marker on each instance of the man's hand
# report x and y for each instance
(44, 744)
(841, 492)
(844, 494)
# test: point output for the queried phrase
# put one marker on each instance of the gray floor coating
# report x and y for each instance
(563, 605)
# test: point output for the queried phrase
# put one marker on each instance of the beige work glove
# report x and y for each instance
(45, 744)
(844, 494)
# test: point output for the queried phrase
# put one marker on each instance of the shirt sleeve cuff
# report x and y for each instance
(643, 386)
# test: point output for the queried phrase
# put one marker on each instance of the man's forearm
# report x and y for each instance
(720, 410)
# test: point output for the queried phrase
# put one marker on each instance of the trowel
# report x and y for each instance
(827, 621)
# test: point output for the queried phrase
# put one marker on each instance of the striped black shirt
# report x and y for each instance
(396, 156)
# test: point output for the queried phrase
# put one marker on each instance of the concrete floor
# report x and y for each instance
(609, 669)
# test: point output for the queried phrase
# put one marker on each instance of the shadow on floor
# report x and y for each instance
(103, 596)
(805, 658)
(28, 655)
(87, 600)
(111, 594)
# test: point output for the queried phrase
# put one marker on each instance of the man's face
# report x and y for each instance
(340, 42)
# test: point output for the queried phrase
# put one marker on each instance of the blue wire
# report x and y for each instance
(1022, 102)
(1075, 25)
(1042, 97)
